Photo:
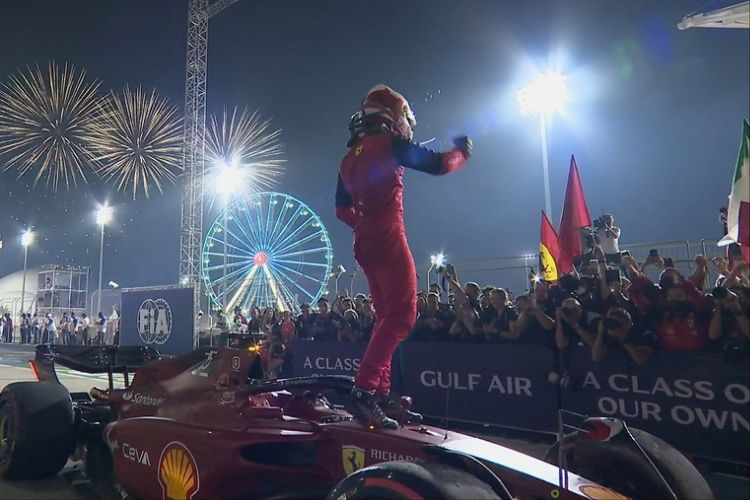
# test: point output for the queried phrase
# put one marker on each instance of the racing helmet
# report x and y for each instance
(383, 108)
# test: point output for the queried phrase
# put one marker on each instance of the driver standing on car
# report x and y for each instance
(369, 198)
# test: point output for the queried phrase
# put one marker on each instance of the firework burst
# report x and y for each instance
(245, 141)
(45, 124)
(137, 142)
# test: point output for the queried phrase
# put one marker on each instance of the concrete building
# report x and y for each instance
(52, 288)
(10, 291)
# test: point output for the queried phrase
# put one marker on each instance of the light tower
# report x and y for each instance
(191, 220)
(544, 96)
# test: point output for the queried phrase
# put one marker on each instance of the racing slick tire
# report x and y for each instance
(405, 479)
(36, 429)
(626, 471)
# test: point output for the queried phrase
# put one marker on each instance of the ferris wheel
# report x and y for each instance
(266, 250)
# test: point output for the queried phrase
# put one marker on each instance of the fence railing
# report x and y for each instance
(512, 272)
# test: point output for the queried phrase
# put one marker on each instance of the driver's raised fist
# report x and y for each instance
(464, 144)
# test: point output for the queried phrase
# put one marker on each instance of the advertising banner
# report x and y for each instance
(695, 401)
(321, 357)
(158, 318)
(499, 384)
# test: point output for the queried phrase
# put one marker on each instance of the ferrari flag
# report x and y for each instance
(738, 215)
(549, 250)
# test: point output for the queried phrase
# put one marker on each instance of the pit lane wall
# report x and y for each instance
(698, 402)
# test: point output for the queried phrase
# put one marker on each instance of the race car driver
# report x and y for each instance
(369, 198)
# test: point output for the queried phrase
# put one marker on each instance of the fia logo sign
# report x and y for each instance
(154, 321)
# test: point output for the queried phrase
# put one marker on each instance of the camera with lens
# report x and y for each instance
(719, 293)
(598, 223)
(612, 323)
(568, 312)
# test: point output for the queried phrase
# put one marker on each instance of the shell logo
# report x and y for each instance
(178, 472)
(601, 493)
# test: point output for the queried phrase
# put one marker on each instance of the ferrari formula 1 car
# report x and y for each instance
(207, 425)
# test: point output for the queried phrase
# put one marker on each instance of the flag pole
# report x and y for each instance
(545, 165)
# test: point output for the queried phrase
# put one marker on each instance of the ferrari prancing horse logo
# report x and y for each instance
(353, 458)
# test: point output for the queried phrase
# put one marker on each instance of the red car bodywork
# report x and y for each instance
(191, 427)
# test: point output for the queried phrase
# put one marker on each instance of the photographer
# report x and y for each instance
(350, 329)
(433, 323)
(305, 322)
(367, 319)
(608, 235)
(535, 324)
(466, 308)
(591, 251)
(652, 267)
(326, 323)
(610, 287)
(729, 327)
(573, 325)
(499, 319)
(616, 331)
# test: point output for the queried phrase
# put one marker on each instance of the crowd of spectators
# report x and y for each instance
(69, 329)
(609, 303)
(604, 306)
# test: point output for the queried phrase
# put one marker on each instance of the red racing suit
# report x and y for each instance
(369, 198)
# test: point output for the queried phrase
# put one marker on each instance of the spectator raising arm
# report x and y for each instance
(569, 323)
(455, 286)
(599, 348)
(700, 274)
(544, 320)
(729, 305)
(604, 288)
(738, 276)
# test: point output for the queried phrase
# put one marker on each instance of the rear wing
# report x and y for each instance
(109, 359)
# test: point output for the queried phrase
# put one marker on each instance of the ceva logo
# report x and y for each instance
(135, 455)
(154, 321)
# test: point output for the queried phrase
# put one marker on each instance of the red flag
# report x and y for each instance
(549, 250)
(575, 216)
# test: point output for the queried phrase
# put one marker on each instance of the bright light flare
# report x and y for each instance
(104, 215)
(229, 179)
(27, 238)
(547, 94)
(247, 142)
(437, 260)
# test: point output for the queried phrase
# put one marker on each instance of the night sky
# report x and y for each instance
(654, 119)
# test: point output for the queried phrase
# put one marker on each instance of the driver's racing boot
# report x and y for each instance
(399, 409)
(365, 408)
